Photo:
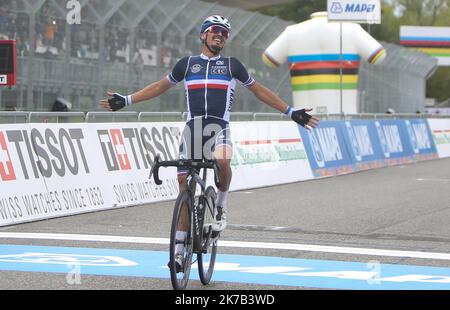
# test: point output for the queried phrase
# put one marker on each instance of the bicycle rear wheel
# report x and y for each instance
(182, 208)
(207, 258)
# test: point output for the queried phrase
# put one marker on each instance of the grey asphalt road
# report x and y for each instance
(403, 208)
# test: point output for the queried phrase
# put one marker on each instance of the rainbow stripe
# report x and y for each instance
(425, 41)
(322, 71)
(435, 52)
(438, 47)
(268, 60)
(376, 55)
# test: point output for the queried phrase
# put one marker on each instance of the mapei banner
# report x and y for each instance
(405, 141)
(327, 149)
(363, 11)
(337, 147)
(362, 141)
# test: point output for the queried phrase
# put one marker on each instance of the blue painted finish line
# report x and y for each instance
(229, 268)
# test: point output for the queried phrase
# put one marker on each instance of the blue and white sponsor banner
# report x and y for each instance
(327, 150)
(394, 141)
(337, 147)
(73, 263)
(380, 143)
(362, 11)
(405, 141)
(363, 144)
(421, 139)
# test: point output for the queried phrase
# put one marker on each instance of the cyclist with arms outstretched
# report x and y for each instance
(210, 81)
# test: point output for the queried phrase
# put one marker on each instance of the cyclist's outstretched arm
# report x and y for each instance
(151, 91)
(268, 97)
(273, 100)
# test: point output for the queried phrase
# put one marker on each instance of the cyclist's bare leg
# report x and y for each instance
(222, 155)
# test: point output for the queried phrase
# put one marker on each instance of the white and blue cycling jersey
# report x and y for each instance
(210, 84)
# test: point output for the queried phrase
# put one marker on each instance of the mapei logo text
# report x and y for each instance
(325, 146)
(43, 154)
(338, 8)
(359, 140)
(390, 139)
(418, 135)
(359, 8)
(129, 148)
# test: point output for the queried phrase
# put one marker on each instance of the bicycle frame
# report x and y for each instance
(192, 180)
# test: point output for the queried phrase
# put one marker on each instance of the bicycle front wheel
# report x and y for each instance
(181, 221)
(207, 258)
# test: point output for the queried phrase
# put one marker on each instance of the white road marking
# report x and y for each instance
(232, 244)
(259, 227)
(67, 259)
(82, 237)
(433, 180)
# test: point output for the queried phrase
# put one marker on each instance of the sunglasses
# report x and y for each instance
(219, 30)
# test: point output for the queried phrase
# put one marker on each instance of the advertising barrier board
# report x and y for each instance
(336, 147)
(440, 129)
(267, 153)
(327, 150)
(52, 170)
(363, 144)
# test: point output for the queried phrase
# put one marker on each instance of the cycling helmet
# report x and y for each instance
(215, 20)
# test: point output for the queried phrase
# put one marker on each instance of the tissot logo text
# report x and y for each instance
(130, 148)
(48, 153)
(6, 167)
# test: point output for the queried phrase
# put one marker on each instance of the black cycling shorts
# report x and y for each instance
(200, 138)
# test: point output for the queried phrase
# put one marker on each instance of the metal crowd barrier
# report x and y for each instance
(161, 116)
(111, 117)
(13, 117)
(95, 117)
(56, 117)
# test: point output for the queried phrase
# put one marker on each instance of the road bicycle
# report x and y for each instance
(199, 199)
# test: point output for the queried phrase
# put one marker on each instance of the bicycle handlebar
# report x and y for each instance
(188, 163)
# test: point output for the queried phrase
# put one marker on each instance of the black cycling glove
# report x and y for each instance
(119, 101)
(299, 116)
